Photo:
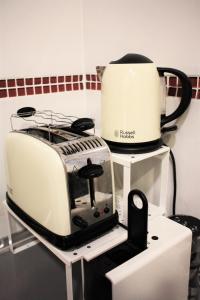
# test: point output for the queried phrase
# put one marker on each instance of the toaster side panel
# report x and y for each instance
(37, 182)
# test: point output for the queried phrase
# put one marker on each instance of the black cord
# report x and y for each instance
(174, 181)
(123, 226)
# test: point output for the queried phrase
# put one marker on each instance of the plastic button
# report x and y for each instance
(96, 214)
(106, 210)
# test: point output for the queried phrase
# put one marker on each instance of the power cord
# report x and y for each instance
(164, 130)
(174, 182)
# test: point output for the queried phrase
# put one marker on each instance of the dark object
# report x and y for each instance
(135, 148)
(83, 124)
(90, 171)
(133, 59)
(174, 181)
(169, 128)
(80, 222)
(188, 221)
(137, 220)
(194, 282)
(25, 112)
(97, 286)
(96, 214)
(185, 98)
(106, 210)
(65, 242)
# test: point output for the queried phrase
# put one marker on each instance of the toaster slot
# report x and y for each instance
(46, 135)
(78, 187)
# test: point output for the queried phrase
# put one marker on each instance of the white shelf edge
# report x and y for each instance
(127, 159)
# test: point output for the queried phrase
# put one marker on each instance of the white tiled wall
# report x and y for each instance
(44, 38)
(185, 144)
(39, 38)
(166, 32)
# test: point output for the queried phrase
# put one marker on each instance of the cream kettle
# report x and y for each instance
(131, 118)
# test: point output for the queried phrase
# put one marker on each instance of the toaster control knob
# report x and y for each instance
(96, 214)
(79, 222)
(106, 210)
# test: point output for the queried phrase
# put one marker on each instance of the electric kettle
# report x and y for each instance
(131, 119)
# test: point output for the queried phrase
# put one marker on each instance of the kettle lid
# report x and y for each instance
(132, 58)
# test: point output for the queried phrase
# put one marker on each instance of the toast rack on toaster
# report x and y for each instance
(48, 118)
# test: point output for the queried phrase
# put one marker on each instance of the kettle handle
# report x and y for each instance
(186, 94)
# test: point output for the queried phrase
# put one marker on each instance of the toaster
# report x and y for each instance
(60, 183)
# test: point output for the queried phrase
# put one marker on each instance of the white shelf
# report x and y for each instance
(127, 162)
(127, 159)
(93, 248)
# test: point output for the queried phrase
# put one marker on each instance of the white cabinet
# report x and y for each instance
(160, 272)
(147, 172)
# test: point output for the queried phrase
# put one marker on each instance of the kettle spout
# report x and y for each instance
(100, 71)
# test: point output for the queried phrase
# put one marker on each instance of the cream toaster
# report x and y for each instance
(60, 182)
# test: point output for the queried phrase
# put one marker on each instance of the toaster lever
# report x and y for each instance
(90, 171)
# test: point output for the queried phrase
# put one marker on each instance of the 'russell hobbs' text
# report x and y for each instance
(127, 134)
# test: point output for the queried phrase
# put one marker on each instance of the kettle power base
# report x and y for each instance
(65, 242)
(134, 148)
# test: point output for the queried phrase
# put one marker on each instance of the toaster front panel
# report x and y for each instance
(90, 188)
(37, 182)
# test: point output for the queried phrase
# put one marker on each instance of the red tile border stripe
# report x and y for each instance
(172, 84)
(92, 82)
(14, 87)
